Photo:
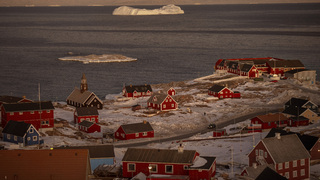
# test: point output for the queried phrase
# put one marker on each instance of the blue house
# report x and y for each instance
(21, 133)
(99, 155)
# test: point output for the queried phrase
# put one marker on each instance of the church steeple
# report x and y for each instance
(84, 85)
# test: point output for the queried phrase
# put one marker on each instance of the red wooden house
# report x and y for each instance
(296, 121)
(40, 115)
(89, 127)
(134, 131)
(162, 102)
(86, 113)
(168, 164)
(249, 70)
(286, 153)
(222, 92)
(266, 171)
(269, 121)
(280, 67)
(170, 91)
(219, 132)
(137, 91)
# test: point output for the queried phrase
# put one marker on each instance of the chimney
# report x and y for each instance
(254, 165)
(180, 148)
(277, 135)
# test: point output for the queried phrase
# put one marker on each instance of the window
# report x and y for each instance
(153, 168)
(169, 169)
(11, 113)
(185, 167)
(34, 138)
(15, 138)
(31, 130)
(302, 162)
(20, 113)
(137, 134)
(88, 119)
(294, 174)
(117, 133)
(287, 175)
(32, 112)
(280, 166)
(302, 172)
(257, 152)
(92, 119)
(28, 138)
(261, 152)
(131, 167)
(48, 111)
(8, 136)
(164, 106)
(172, 105)
(82, 119)
(170, 100)
(295, 163)
(145, 133)
(265, 154)
(286, 165)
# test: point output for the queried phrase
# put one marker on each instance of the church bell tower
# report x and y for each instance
(84, 85)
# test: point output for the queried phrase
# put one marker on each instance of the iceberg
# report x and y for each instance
(104, 58)
(168, 9)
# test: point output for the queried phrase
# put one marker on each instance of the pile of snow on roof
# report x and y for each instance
(168, 9)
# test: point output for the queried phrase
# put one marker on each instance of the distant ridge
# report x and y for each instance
(33, 3)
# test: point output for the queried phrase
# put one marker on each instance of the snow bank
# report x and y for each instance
(168, 9)
(104, 58)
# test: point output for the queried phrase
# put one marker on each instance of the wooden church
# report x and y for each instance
(83, 97)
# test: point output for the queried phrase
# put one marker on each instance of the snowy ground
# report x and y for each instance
(193, 102)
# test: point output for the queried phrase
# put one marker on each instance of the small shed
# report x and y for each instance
(89, 127)
(219, 133)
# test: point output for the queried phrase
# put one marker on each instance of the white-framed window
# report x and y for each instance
(153, 168)
(34, 138)
(137, 134)
(88, 119)
(286, 165)
(265, 154)
(257, 152)
(20, 113)
(287, 175)
(169, 169)
(32, 112)
(8, 136)
(302, 172)
(302, 162)
(145, 133)
(15, 138)
(123, 136)
(164, 106)
(170, 100)
(82, 119)
(31, 130)
(48, 111)
(280, 166)
(294, 163)
(185, 167)
(172, 105)
(28, 138)
(294, 174)
(131, 167)
(261, 152)
(166, 100)
(92, 119)
(11, 113)
(117, 134)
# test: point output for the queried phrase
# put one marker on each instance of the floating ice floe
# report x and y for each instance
(168, 9)
(104, 58)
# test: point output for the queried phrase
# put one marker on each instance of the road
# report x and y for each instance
(201, 131)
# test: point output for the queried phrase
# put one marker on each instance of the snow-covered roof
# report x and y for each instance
(137, 127)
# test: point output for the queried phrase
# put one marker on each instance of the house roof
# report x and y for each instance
(16, 128)
(86, 123)
(157, 98)
(159, 156)
(272, 117)
(28, 106)
(100, 151)
(254, 172)
(285, 63)
(307, 140)
(285, 149)
(216, 88)
(296, 102)
(294, 110)
(233, 65)
(221, 63)
(209, 162)
(82, 98)
(137, 127)
(246, 67)
(298, 70)
(87, 111)
(11, 99)
(138, 88)
(268, 174)
(61, 164)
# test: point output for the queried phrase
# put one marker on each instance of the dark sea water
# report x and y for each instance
(168, 47)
